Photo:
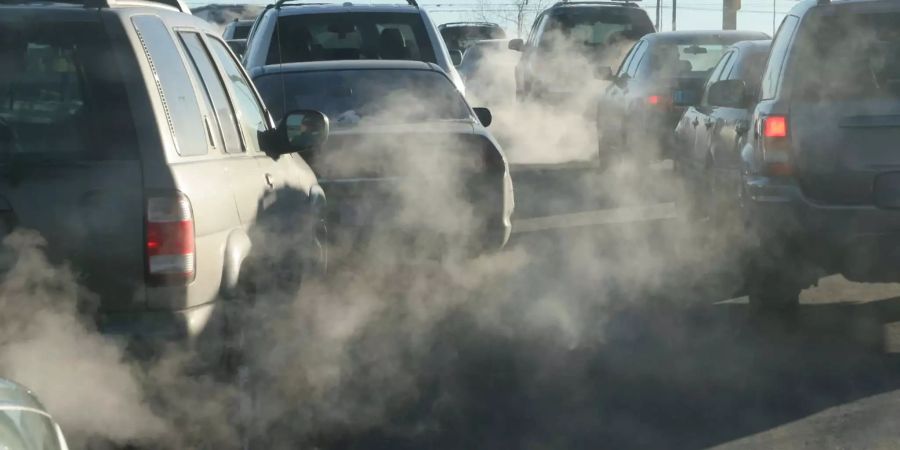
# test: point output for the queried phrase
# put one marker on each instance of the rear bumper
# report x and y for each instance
(148, 332)
(861, 242)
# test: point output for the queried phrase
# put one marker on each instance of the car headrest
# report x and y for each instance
(392, 45)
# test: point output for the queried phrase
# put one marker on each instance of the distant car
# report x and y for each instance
(238, 29)
(711, 134)
(25, 423)
(461, 35)
(132, 140)
(403, 141)
(568, 41)
(647, 96)
(347, 32)
(821, 170)
(485, 70)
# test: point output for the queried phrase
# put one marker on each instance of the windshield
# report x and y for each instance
(348, 97)
(350, 36)
(592, 27)
(868, 46)
(60, 93)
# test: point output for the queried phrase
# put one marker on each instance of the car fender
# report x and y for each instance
(237, 247)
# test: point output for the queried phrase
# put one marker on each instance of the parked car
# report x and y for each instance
(821, 183)
(24, 422)
(485, 70)
(569, 40)
(461, 35)
(403, 141)
(709, 137)
(286, 33)
(238, 29)
(132, 140)
(647, 96)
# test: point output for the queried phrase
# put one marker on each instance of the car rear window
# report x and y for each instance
(350, 36)
(61, 93)
(351, 96)
(594, 27)
(464, 36)
(842, 56)
(242, 30)
(683, 60)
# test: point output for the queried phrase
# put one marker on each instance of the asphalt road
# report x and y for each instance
(617, 333)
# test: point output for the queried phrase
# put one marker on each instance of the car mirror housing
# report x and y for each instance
(456, 57)
(300, 131)
(516, 44)
(728, 94)
(484, 116)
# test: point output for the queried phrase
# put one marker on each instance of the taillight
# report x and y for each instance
(169, 240)
(659, 100)
(776, 145)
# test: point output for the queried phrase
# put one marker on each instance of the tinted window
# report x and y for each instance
(27, 431)
(638, 58)
(250, 113)
(174, 85)
(750, 68)
(61, 93)
(215, 90)
(725, 63)
(350, 36)
(776, 59)
(867, 47)
(591, 29)
(241, 30)
(694, 60)
(629, 58)
(463, 36)
(350, 96)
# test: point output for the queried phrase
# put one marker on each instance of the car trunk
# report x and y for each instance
(844, 119)
(69, 168)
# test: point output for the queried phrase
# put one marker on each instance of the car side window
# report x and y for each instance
(638, 58)
(728, 72)
(182, 108)
(623, 68)
(717, 74)
(777, 57)
(223, 110)
(251, 114)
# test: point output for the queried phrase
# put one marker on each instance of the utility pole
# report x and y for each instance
(658, 13)
(674, 9)
(729, 14)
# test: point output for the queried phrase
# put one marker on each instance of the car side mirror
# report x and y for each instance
(728, 94)
(484, 116)
(238, 46)
(456, 57)
(603, 73)
(516, 44)
(301, 131)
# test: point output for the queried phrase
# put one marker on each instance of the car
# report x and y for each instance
(648, 94)
(237, 29)
(710, 135)
(461, 35)
(406, 154)
(136, 145)
(484, 69)
(286, 33)
(821, 175)
(568, 41)
(24, 422)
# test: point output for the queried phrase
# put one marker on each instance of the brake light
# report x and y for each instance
(659, 100)
(775, 127)
(776, 145)
(169, 240)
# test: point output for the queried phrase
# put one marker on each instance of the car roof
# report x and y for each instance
(688, 36)
(15, 395)
(324, 8)
(324, 66)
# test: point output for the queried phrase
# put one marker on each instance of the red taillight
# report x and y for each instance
(775, 127)
(654, 99)
(169, 238)
(776, 145)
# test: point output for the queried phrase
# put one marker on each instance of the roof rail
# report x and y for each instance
(175, 4)
(279, 3)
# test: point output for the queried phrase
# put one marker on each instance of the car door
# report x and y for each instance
(701, 119)
(524, 68)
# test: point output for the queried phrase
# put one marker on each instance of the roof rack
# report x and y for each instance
(279, 3)
(175, 4)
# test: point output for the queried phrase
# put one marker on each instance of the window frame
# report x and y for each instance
(778, 61)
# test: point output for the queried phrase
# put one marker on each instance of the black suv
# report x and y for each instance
(569, 40)
(821, 170)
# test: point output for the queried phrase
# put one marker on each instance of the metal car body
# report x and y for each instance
(24, 422)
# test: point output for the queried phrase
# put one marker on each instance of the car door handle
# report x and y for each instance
(270, 181)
